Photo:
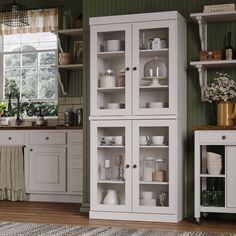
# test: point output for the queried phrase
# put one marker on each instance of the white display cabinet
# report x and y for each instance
(149, 89)
(148, 113)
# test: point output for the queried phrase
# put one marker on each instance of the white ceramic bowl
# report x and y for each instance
(113, 45)
(148, 202)
(113, 105)
(146, 195)
(156, 104)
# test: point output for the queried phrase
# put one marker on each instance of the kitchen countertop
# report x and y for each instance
(35, 127)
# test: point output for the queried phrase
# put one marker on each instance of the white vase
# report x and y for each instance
(111, 198)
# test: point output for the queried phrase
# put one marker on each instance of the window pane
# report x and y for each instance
(12, 72)
(29, 38)
(46, 72)
(47, 58)
(47, 45)
(29, 59)
(47, 88)
(12, 39)
(12, 60)
(12, 85)
(12, 48)
(30, 47)
(29, 87)
(30, 72)
(47, 36)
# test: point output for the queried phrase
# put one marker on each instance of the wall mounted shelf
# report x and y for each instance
(70, 66)
(71, 32)
(202, 19)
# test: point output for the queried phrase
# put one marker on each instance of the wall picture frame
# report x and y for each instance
(78, 52)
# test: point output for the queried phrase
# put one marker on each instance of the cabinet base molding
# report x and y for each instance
(54, 198)
(134, 216)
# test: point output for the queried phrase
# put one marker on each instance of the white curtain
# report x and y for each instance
(12, 177)
(45, 20)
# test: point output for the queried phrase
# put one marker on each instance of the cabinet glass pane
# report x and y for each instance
(153, 68)
(154, 166)
(110, 170)
(111, 70)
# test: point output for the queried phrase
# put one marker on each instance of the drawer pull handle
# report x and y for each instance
(9, 138)
(134, 166)
(127, 166)
(47, 138)
(134, 68)
(223, 137)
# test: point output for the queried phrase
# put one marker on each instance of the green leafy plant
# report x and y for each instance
(3, 106)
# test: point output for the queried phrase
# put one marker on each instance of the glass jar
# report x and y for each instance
(120, 81)
(148, 168)
(108, 80)
(159, 174)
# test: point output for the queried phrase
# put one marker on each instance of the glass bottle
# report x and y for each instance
(229, 49)
(107, 170)
(159, 174)
(148, 168)
(120, 80)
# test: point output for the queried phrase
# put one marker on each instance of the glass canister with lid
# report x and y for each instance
(148, 168)
(108, 80)
(159, 174)
(120, 80)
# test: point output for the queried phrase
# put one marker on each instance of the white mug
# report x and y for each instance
(143, 140)
(156, 43)
(157, 140)
(118, 140)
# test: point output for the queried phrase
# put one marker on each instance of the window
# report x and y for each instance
(27, 67)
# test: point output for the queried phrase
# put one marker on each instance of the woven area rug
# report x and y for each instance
(29, 229)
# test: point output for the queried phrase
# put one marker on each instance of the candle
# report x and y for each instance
(143, 37)
(151, 72)
(107, 164)
(157, 72)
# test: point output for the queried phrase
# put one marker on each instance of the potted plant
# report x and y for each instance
(2, 107)
(222, 91)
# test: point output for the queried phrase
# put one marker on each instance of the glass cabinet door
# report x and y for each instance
(154, 76)
(155, 164)
(110, 165)
(110, 70)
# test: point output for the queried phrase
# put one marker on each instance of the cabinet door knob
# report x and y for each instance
(223, 137)
(47, 138)
(9, 138)
(127, 166)
(127, 68)
(134, 166)
(134, 68)
(31, 150)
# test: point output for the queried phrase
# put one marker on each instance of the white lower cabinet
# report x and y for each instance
(47, 169)
(136, 170)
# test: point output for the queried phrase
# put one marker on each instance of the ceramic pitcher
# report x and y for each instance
(111, 198)
(226, 113)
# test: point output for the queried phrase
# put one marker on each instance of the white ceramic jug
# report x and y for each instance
(111, 198)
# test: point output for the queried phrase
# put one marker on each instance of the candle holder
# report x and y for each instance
(107, 170)
(119, 164)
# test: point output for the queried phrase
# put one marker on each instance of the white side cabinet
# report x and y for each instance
(138, 129)
(215, 193)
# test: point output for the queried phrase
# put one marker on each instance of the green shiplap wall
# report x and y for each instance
(199, 113)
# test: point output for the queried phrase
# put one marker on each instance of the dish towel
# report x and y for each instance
(12, 180)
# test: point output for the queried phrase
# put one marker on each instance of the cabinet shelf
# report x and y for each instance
(69, 67)
(111, 146)
(111, 55)
(154, 146)
(110, 182)
(152, 88)
(111, 90)
(71, 32)
(212, 176)
(153, 183)
(152, 53)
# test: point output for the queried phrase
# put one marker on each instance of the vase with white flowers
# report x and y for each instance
(222, 91)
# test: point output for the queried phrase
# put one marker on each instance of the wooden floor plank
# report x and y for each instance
(68, 213)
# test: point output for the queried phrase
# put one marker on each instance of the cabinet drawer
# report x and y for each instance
(47, 138)
(221, 136)
(12, 138)
(75, 138)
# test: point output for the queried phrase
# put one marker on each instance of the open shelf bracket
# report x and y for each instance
(202, 32)
(202, 80)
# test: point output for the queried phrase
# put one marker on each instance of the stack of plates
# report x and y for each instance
(148, 202)
(214, 163)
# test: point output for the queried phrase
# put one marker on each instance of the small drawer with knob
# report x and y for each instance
(44, 138)
(12, 138)
(218, 137)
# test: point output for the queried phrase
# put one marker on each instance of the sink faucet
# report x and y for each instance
(18, 119)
